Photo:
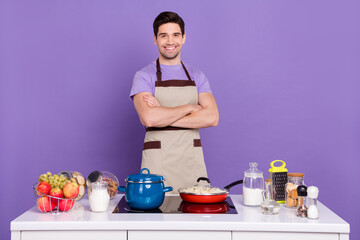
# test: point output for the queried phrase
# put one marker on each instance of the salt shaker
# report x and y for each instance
(313, 193)
(301, 209)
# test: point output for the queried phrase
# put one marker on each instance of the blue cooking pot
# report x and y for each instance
(144, 191)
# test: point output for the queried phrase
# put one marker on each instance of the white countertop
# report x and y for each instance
(247, 219)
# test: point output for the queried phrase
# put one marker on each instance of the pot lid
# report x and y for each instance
(253, 172)
(144, 177)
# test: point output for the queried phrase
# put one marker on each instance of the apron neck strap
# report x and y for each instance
(158, 71)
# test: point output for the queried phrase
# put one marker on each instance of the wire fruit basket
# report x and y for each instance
(55, 205)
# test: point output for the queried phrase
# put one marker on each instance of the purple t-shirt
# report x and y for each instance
(144, 80)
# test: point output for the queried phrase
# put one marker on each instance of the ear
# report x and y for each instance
(184, 38)
(155, 39)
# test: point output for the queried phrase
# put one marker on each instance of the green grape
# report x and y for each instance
(56, 176)
(48, 173)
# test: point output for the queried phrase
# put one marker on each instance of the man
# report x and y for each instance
(173, 100)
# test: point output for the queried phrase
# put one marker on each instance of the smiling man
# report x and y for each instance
(173, 100)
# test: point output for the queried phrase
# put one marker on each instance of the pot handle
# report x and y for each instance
(203, 179)
(167, 189)
(122, 188)
(233, 184)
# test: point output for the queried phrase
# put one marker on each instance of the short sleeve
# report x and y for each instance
(141, 83)
(202, 82)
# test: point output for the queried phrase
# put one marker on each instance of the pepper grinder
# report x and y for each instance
(302, 209)
(313, 193)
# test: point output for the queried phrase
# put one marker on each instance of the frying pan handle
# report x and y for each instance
(203, 179)
(233, 184)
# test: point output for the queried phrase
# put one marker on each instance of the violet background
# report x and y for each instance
(285, 75)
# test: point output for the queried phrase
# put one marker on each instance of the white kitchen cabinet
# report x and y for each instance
(179, 235)
(248, 224)
(74, 235)
(283, 236)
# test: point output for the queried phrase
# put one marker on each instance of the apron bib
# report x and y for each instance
(172, 152)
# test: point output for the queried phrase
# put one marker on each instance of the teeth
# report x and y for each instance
(170, 48)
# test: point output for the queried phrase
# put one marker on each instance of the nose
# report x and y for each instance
(170, 40)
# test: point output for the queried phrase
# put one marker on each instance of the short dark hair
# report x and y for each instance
(168, 17)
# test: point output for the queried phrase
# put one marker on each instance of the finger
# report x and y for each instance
(150, 104)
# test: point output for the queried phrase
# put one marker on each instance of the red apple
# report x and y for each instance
(66, 204)
(56, 192)
(43, 187)
(71, 190)
(44, 204)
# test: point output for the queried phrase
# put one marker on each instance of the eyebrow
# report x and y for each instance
(167, 33)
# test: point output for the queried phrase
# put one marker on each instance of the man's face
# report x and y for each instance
(169, 40)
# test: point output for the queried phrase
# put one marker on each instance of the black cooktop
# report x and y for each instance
(174, 204)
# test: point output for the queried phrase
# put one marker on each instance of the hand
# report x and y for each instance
(197, 108)
(151, 101)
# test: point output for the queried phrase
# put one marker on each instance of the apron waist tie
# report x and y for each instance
(166, 128)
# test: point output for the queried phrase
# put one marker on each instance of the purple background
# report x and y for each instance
(285, 75)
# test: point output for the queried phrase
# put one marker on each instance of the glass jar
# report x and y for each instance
(104, 176)
(291, 196)
(269, 206)
(99, 197)
(253, 186)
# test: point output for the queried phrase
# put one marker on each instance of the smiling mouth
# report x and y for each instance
(170, 48)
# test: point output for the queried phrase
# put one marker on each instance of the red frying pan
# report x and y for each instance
(219, 196)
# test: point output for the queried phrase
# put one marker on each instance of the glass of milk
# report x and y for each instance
(99, 197)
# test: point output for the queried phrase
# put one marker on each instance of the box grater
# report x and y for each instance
(278, 175)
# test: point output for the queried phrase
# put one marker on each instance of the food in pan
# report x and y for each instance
(202, 190)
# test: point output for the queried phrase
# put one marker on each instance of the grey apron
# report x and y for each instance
(172, 152)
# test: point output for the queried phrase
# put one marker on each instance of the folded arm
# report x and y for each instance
(158, 116)
(208, 116)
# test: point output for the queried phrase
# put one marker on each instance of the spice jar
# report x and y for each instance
(291, 196)
(301, 208)
(313, 211)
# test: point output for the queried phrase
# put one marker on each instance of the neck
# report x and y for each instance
(166, 61)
